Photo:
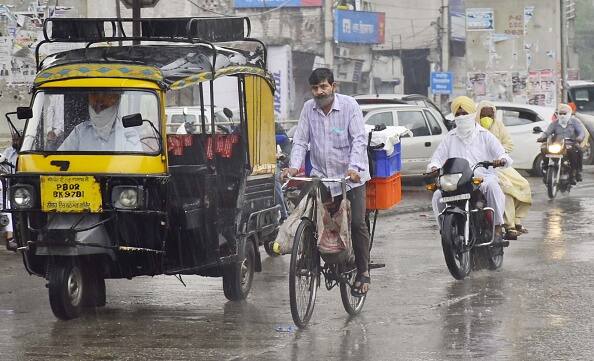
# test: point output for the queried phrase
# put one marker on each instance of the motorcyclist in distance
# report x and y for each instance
(566, 127)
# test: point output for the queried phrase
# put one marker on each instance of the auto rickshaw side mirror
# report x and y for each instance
(132, 120)
(24, 113)
(228, 113)
(537, 130)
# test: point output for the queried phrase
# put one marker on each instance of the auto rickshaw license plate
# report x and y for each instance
(70, 194)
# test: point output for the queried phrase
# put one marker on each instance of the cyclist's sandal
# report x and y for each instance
(356, 291)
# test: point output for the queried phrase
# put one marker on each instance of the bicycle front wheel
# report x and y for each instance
(304, 273)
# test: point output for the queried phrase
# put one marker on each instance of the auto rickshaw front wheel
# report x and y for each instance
(67, 288)
(238, 277)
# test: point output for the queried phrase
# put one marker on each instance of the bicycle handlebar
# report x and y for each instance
(326, 180)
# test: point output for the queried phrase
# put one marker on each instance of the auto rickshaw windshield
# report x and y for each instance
(84, 120)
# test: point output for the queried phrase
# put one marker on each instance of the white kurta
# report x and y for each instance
(84, 138)
(484, 147)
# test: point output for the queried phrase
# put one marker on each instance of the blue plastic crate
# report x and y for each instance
(386, 166)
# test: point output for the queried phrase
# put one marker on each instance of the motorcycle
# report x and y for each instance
(466, 223)
(557, 174)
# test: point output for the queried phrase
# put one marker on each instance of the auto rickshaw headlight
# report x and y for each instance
(127, 197)
(22, 196)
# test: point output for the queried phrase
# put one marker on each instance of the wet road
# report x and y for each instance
(537, 307)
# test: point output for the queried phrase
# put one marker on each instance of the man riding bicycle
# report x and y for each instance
(331, 126)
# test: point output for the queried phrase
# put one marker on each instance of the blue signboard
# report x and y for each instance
(441, 82)
(360, 27)
(276, 3)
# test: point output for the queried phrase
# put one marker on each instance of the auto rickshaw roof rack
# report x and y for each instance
(194, 30)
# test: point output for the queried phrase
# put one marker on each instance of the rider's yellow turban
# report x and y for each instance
(463, 102)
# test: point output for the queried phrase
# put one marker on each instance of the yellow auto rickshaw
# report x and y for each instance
(102, 191)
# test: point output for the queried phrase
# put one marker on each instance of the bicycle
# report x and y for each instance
(305, 267)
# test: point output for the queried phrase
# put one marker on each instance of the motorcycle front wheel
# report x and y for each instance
(304, 273)
(552, 182)
(457, 260)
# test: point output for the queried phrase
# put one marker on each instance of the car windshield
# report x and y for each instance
(85, 120)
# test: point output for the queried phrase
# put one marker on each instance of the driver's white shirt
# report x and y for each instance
(485, 147)
(84, 138)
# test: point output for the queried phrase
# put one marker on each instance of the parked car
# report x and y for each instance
(413, 99)
(182, 118)
(427, 127)
(581, 93)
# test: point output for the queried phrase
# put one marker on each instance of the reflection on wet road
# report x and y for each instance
(537, 307)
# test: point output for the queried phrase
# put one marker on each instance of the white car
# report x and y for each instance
(178, 117)
(522, 121)
(425, 124)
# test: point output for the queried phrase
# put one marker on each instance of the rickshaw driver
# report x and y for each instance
(102, 132)
(332, 125)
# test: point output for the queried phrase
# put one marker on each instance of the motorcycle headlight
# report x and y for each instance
(554, 148)
(449, 182)
(22, 196)
(127, 197)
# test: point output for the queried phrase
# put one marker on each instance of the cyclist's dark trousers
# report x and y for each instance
(359, 231)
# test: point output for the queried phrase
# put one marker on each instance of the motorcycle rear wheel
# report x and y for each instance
(458, 262)
(552, 182)
(488, 257)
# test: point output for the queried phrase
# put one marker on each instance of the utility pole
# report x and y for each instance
(328, 34)
(445, 35)
(136, 20)
(564, 54)
(445, 43)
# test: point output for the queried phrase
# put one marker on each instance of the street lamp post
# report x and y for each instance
(136, 5)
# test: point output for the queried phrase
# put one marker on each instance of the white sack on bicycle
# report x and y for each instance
(287, 230)
(335, 230)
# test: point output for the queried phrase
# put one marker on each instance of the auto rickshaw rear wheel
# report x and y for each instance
(238, 277)
(67, 287)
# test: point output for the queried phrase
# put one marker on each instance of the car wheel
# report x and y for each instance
(536, 170)
(588, 155)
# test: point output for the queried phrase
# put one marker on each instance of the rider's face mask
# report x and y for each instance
(103, 108)
(465, 126)
(564, 119)
(486, 122)
(103, 121)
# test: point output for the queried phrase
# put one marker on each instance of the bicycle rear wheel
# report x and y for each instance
(353, 305)
(304, 273)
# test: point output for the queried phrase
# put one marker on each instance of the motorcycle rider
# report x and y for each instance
(516, 188)
(475, 144)
(566, 127)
